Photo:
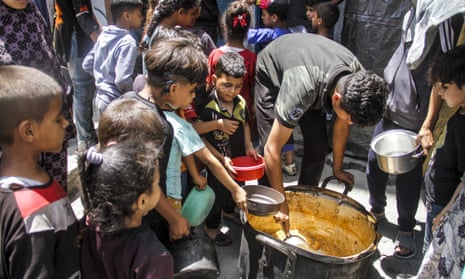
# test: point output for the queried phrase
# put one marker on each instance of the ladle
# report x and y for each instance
(294, 240)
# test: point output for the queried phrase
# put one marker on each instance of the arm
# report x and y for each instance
(249, 150)
(278, 136)
(425, 135)
(88, 62)
(197, 178)
(126, 61)
(238, 194)
(438, 219)
(341, 131)
(179, 226)
(225, 125)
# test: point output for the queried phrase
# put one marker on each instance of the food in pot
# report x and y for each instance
(328, 226)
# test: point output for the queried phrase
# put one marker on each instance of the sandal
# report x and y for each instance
(380, 216)
(222, 240)
(289, 169)
(406, 242)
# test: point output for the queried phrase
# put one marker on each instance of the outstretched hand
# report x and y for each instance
(344, 176)
(425, 138)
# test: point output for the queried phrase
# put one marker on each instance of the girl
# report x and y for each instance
(120, 186)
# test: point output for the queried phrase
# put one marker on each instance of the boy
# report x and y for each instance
(175, 68)
(447, 75)
(37, 227)
(226, 103)
(324, 18)
(112, 59)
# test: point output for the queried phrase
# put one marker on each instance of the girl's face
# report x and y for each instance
(16, 4)
(451, 93)
(153, 197)
(50, 132)
(188, 17)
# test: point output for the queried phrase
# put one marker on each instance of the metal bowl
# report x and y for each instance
(396, 151)
(263, 200)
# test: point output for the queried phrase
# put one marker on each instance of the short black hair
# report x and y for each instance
(449, 67)
(118, 7)
(275, 7)
(231, 64)
(364, 96)
(328, 12)
(25, 93)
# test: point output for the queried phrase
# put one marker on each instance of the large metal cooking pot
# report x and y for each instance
(339, 231)
(195, 257)
(396, 151)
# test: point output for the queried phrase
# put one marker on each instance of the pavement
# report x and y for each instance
(383, 263)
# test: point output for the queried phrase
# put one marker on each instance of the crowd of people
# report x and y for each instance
(172, 109)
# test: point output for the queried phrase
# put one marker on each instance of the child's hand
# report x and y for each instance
(252, 152)
(240, 197)
(200, 182)
(425, 138)
(439, 219)
(228, 165)
(179, 227)
(228, 126)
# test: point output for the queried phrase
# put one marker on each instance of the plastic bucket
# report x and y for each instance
(248, 168)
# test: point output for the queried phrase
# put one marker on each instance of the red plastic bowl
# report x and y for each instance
(248, 168)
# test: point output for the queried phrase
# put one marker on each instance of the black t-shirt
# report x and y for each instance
(448, 164)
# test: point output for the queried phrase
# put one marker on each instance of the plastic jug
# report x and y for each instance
(197, 205)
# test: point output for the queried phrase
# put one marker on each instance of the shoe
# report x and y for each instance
(406, 242)
(289, 169)
(222, 240)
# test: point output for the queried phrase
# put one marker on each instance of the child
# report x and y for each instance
(447, 75)
(37, 226)
(129, 119)
(175, 68)
(112, 59)
(445, 256)
(120, 183)
(171, 13)
(274, 16)
(324, 18)
(226, 103)
(235, 34)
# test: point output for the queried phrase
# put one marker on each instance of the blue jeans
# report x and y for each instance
(408, 185)
(84, 89)
(432, 211)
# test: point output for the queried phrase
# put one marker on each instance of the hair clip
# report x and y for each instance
(241, 19)
(93, 156)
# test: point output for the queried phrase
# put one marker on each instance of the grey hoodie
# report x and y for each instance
(111, 62)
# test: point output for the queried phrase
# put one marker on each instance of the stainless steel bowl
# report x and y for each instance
(396, 151)
(263, 200)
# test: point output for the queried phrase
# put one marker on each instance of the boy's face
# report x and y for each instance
(227, 87)
(181, 95)
(309, 12)
(50, 132)
(451, 93)
(135, 18)
(267, 18)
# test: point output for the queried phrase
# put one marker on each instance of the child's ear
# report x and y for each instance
(141, 202)
(26, 130)
(214, 78)
(274, 18)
